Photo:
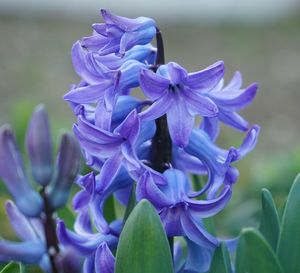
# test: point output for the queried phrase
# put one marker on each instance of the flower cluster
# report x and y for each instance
(150, 144)
(32, 213)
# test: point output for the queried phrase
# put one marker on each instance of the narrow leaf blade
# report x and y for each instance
(255, 255)
(269, 224)
(289, 239)
(221, 260)
(143, 245)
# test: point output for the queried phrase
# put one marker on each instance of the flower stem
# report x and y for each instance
(161, 143)
(50, 232)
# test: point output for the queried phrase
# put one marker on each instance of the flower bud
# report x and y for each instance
(39, 146)
(13, 174)
(67, 167)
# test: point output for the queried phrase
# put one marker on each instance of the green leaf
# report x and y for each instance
(221, 260)
(143, 245)
(255, 255)
(67, 215)
(109, 209)
(13, 268)
(289, 239)
(269, 223)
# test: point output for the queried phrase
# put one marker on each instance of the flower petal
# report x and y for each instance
(24, 252)
(104, 260)
(235, 99)
(180, 122)
(234, 120)
(207, 78)
(158, 108)
(87, 94)
(200, 104)
(109, 171)
(20, 223)
(153, 85)
(127, 24)
(196, 233)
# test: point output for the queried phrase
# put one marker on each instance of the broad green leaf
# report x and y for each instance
(221, 260)
(269, 223)
(143, 245)
(109, 209)
(13, 268)
(288, 250)
(255, 255)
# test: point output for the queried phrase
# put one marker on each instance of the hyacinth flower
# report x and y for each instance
(119, 34)
(102, 84)
(179, 213)
(155, 143)
(181, 96)
(229, 99)
(34, 210)
(94, 247)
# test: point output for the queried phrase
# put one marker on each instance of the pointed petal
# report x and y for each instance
(109, 171)
(104, 260)
(180, 122)
(153, 85)
(85, 245)
(207, 78)
(146, 188)
(208, 208)
(177, 73)
(200, 104)
(129, 129)
(20, 223)
(196, 233)
(236, 82)
(235, 99)
(87, 94)
(127, 24)
(157, 109)
(82, 66)
(234, 120)
(249, 142)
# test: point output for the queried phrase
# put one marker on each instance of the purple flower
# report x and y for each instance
(94, 247)
(181, 96)
(216, 160)
(115, 149)
(179, 213)
(101, 85)
(14, 176)
(229, 100)
(119, 34)
(39, 146)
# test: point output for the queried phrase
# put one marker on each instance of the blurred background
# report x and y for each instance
(259, 38)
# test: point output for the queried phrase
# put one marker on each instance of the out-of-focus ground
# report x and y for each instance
(35, 66)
